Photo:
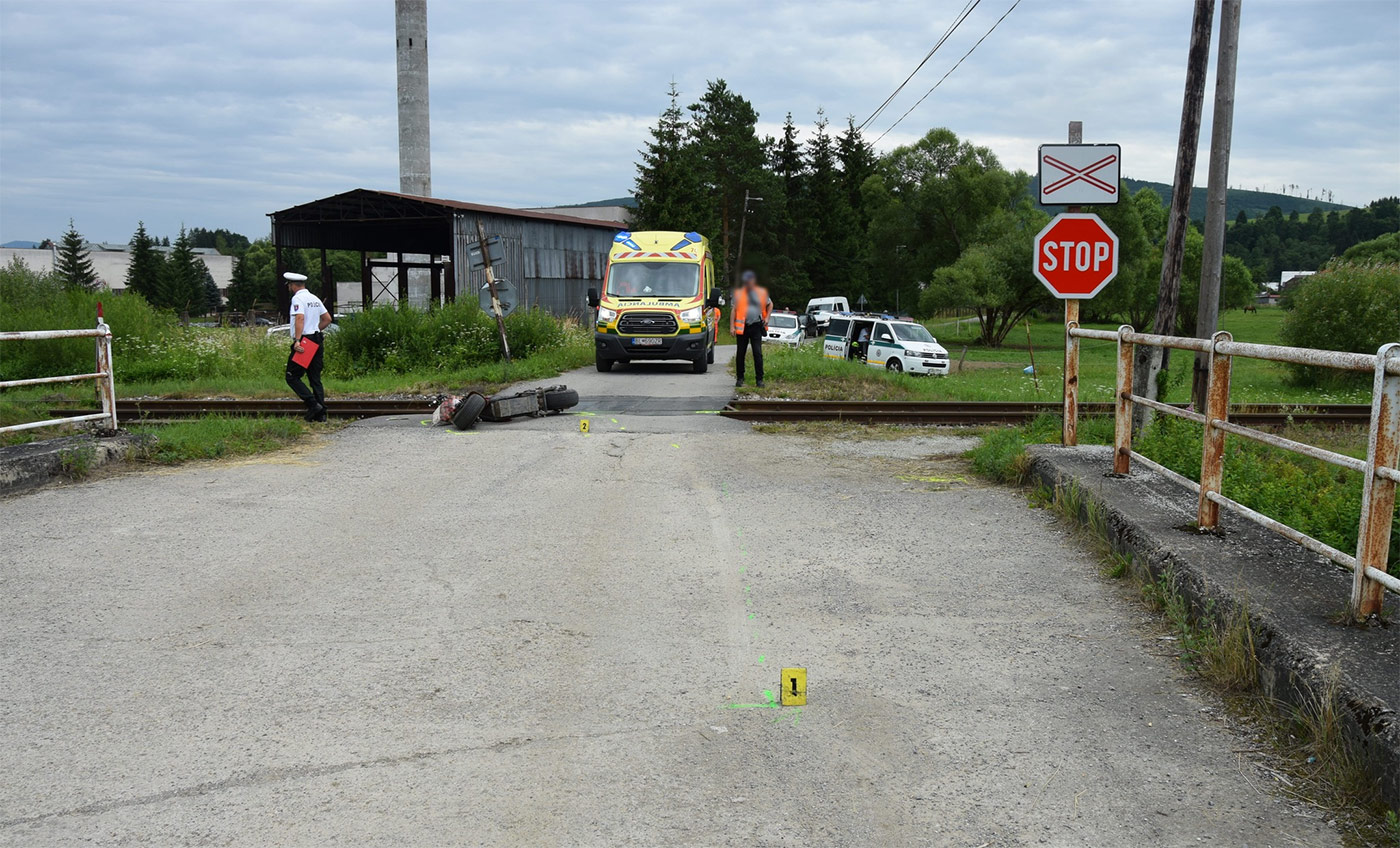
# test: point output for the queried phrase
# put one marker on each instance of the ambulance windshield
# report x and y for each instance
(653, 279)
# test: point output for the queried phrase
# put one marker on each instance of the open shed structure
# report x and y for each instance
(551, 259)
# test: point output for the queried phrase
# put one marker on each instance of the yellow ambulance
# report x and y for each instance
(659, 301)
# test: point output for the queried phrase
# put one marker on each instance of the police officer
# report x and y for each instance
(309, 319)
(752, 306)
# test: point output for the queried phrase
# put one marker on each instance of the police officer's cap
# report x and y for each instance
(294, 278)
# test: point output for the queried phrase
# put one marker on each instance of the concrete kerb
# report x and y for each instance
(29, 466)
(1293, 598)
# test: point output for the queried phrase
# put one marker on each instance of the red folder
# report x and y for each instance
(308, 350)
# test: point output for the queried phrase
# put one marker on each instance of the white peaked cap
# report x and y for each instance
(294, 278)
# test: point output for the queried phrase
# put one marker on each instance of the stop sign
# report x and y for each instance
(1076, 255)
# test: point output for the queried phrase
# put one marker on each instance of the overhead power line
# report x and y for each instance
(950, 70)
(957, 21)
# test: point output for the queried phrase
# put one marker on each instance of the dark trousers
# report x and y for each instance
(316, 395)
(752, 337)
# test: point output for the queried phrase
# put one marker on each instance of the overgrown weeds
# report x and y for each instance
(77, 462)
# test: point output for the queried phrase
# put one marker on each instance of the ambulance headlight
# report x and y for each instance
(691, 316)
(605, 315)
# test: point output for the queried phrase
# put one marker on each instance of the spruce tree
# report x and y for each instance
(667, 191)
(830, 225)
(857, 158)
(212, 299)
(145, 266)
(182, 286)
(74, 264)
(242, 291)
(729, 158)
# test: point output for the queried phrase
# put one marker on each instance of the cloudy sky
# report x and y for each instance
(214, 113)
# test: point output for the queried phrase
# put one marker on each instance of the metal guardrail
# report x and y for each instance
(1379, 469)
(106, 384)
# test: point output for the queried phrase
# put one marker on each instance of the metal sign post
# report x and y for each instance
(495, 298)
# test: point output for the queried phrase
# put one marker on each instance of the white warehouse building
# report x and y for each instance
(110, 262)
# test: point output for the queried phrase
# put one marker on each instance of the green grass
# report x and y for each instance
(218, 437)
(995, 374)
(1317, 498)
(262, 376)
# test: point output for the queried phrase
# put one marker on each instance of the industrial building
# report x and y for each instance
(551, 259)
(111, 260)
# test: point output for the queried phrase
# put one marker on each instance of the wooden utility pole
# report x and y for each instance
(1150, 359)
(1069, 435)
(491, 284)
(1213, 253)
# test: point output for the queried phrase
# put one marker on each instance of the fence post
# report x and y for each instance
(1378, 493)
(1070, 435)
(106, 383)
(1123, 405)
(1213, 441)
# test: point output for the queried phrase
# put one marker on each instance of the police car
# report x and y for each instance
(884, 342)
(784, 328)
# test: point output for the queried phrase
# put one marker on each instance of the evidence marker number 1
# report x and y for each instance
(793, 687)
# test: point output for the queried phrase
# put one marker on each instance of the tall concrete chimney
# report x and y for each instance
(411, 27)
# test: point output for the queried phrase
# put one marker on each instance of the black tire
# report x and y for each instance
(710, 356)
(562, 399)
(603, 364)
(893, 364)
(699, 365)
(468, 411)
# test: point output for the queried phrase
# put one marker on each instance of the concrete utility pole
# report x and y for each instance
(1149, 360)
(411, 28)
(1213, 253)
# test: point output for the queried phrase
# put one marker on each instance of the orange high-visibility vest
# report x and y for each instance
(741, 307)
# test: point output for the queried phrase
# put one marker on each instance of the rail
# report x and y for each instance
(106, 384)
(1370, 576)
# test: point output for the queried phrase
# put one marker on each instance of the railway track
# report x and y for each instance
(167, 408)
(874, 412)
(973, 413)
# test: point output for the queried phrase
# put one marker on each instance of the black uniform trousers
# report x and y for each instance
(316, 395)
(752, 337)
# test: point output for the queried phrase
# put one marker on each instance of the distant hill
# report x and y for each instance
(629, 201)
(1254, 203)
(20, 245)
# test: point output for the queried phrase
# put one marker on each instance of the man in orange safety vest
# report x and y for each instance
(752, 306)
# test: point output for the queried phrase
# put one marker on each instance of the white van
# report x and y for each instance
(820, 309)
(891, 344)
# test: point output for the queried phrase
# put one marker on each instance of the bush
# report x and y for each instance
(453, 336)
(30, 300)
(1346, 306)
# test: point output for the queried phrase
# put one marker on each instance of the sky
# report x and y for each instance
(214, 113)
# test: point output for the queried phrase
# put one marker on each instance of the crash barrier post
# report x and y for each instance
(106, 385)
(1380, 470)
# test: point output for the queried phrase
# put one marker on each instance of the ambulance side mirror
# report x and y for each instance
(713, 300)
(593, 298)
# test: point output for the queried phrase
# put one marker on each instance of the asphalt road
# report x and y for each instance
(525, 635)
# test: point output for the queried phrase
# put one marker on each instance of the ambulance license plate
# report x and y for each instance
(648, 341)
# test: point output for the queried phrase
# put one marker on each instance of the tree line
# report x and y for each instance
(176, 278)
(1273, 243)
(935, 225)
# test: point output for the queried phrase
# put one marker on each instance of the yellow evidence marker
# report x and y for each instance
(583, 425)
(793, 685)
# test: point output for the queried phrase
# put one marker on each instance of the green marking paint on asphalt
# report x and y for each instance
(761, 658)
(767, 694)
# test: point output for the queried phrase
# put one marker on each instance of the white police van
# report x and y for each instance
(884, 342)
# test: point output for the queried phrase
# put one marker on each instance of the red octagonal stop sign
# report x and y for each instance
(1076, 255)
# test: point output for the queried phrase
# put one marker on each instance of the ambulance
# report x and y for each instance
(659, 301)
(891, 344)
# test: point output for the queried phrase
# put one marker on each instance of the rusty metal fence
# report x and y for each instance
(106, 384)
(1379, 469)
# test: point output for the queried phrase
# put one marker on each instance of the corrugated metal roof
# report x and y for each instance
(365, 193)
